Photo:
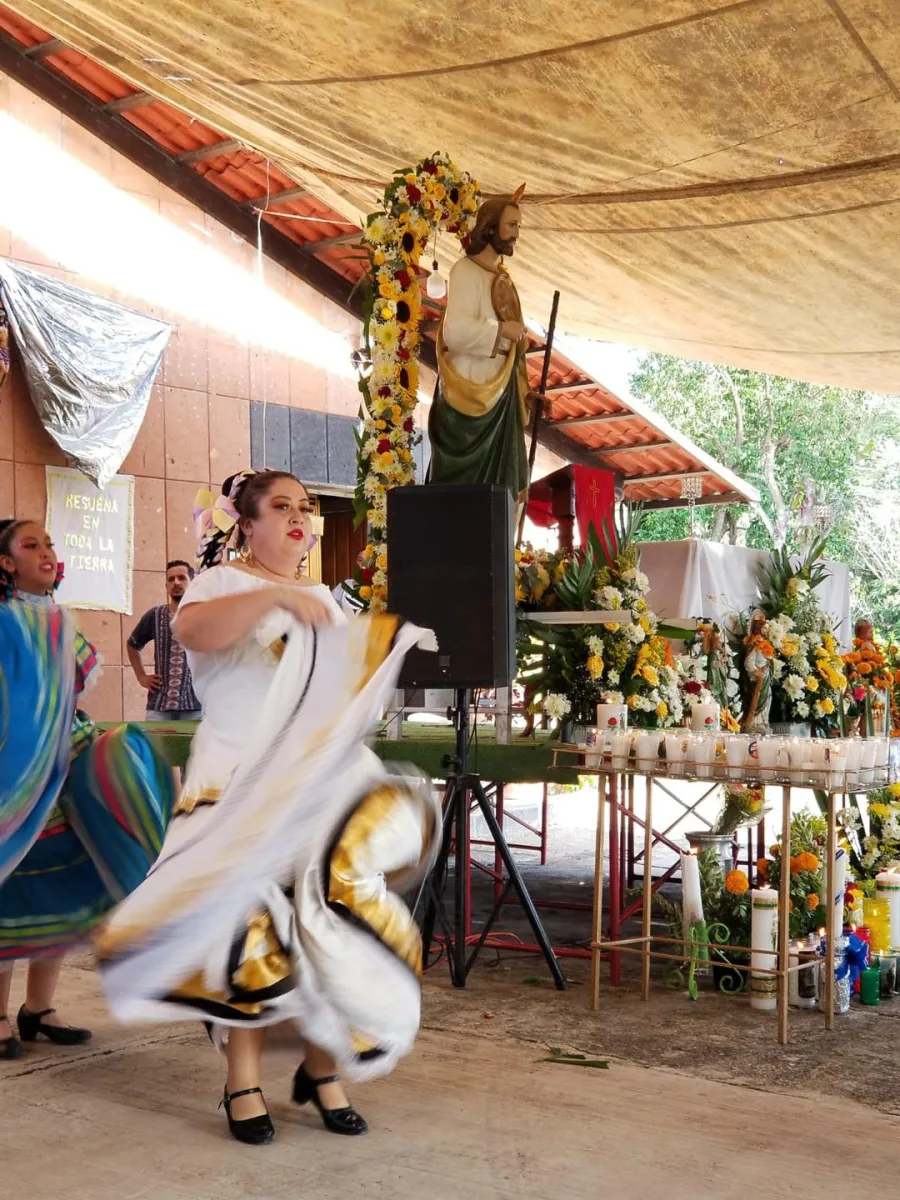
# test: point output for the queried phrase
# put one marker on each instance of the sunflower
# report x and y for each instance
(387, 336)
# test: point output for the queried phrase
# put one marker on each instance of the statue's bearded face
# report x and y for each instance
(507, 233)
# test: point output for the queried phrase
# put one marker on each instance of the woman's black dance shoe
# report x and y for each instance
(254, 1131)
(31, 1025)
(10, 1047)
(336, 1120)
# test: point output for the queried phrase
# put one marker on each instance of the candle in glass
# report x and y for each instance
(882, 752)
(676, 750)
(647, 748)
(703, 752)
(763, 922)
(854, 757)
(808, 979)
(888, 964)
(706, 718)
(837, 763)
(736, 754)
(887, 888)
(611, 718)
(867, 763)
(691, 899)
(620, 748)
(769, 749)
(877, 916)
(870, 985)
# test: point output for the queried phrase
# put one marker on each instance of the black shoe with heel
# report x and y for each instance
(254, 1131)
(336, 1120)
(10, 1047)
(31, 1025)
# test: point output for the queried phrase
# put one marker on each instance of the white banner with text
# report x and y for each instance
(93, 532)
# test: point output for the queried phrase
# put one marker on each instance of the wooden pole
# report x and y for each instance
(597, 915)
(539, 409)
(784, 916)
(648, 889)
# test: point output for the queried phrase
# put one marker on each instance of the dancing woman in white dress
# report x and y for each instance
(241, 924)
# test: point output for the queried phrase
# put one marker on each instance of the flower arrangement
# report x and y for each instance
(537, 573)
(435, 194)
(796, 638)
(878, 849)
(743, 806)
(614, 662)
(871, 683)
(806, 904)
(709, 670)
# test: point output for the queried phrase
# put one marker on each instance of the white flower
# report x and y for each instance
(705, 697)
(635, 633)
(870, 843)
(612, 678)
(849, 818)
(557, 705)
(803, 710)
(891, 827)
(595, 645)
(777, 668)
(610, 599)
(377, 230)
(612, 697)
(795, 686)
(637, 578)
(731, 689)
(669, 676)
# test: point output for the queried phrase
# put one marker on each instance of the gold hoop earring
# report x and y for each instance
(245, 554)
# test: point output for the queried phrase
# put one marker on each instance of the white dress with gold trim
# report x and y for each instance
(277, 893)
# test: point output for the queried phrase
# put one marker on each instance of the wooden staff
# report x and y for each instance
(539, 410)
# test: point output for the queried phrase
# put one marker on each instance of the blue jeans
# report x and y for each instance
(179, 714)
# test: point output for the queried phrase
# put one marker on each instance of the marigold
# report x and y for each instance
(736, 883)
(762, 866)
(812, 902)
(804, 862)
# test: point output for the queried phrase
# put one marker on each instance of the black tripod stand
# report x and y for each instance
(461, 785)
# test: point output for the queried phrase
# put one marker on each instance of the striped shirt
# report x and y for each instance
(177, 691)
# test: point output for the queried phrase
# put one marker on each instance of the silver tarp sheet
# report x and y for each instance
(89, 364)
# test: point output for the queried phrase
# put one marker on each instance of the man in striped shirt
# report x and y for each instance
(170, 692)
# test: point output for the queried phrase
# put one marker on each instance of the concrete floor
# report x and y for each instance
(470, 1114)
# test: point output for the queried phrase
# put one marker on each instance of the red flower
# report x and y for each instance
(693, 688)
(414, 194)
(366, 574)
(408, 425)
(403, 354)
(429, 168)
(403, 279)
(384, 444)
(385, 392)
(859, 693)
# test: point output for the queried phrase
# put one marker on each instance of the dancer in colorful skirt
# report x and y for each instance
(82, 816)
(276, 896)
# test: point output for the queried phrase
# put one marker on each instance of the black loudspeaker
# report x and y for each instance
(450, 569)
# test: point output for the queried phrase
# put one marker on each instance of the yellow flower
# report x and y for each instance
(386, 459)
(390, 289)
(387, 336)
(894, 789)
(879, 810)
(736, 883)
(381, 424)
(651, 676)
(644, 623)
(381, 562)
(520, 594)
(385, 314)
(827, 706)
(812, 684)
(379, 258)
(662, 710)
(396, 414)
(365, 592)
(595, 666)
(612, 626)
(790, 645)
(632, 701)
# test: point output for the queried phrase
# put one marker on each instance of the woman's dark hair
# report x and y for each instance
(246, 500)
(8, 530)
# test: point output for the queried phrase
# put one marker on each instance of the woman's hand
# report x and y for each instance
(307, 609)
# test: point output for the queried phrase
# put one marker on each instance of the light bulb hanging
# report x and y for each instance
(436, 284)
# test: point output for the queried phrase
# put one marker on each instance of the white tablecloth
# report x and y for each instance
(711, 579)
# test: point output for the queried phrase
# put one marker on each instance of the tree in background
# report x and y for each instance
(797, 443)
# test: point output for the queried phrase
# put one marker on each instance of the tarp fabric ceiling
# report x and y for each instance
(710, 179)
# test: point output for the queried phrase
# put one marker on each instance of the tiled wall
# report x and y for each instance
(197, 428)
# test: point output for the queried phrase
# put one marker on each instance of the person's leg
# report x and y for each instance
(5, 985)
(243, 1052)
(43, 977)
(319, 1065)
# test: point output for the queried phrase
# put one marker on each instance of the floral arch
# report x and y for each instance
(419, 201)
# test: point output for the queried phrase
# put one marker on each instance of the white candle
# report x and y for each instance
(887, 887)
(763, 923)
(769, 748)
(691, 900)
(854, 757)
(611, 718)
(840, 886)
(736, 746)
(648, 748)
(676, 751)
(706, 718)
(869, 749)
(620, 747)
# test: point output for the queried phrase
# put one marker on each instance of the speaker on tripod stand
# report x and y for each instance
(450, 556)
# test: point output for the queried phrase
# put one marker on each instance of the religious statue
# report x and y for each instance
(477, 421)
(864, 636)
(758, 670)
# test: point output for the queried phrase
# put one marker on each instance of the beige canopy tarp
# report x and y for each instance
(710, 179)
